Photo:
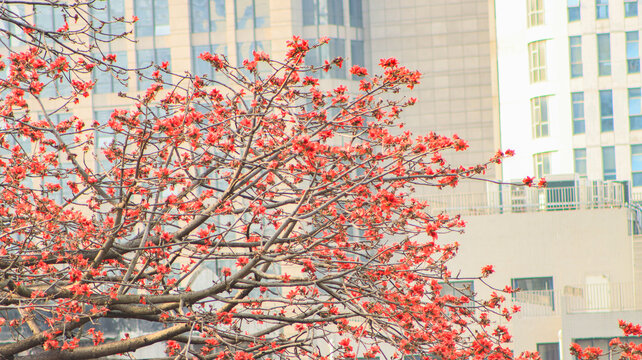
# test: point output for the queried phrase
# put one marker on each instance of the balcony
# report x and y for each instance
(499, 199)
(536, 303)
(600, 298)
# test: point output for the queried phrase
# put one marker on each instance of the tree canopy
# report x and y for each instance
(251, 216)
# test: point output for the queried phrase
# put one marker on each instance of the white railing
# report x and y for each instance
(536, 303)
(512, 199)
(600, 297)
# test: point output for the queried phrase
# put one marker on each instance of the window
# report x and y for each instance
(539, 116)
(202, 67)
(207, 15)
(575, 52)
(579, 158)
(337, 49)
(630, 8)
(633, 52)
(324, 12)
(244, 50)
(107, 12)
(636, 164)
(537, 60)
(635, 111)
(356, 13)
(153, 17)
(535, 12)
(604, 54)
(602, 9)
(577, 109)
(459, 289)
(357, 54)
(542, 164)
(143, 60)
(549, 351)
(48, 17)
(537, 290)
(608, 162)
(573, 10)
(606, 110)
(106, 81)
(252, 14)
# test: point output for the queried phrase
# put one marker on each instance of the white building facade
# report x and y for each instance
(569, 88)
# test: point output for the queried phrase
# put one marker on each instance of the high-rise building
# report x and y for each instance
(569, 89)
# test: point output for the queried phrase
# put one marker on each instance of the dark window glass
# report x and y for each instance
(630, 8)
(309, 12)
(577, 109)
(575, 50)
(153, 17)
(604, 54)
(608, 162)
(357, 53)
(579, 157)
(635, 113)
(549, 351)
(574, 10)
(633, 52)
(602, 9)
(538, 290)
(207, 15)
(606, 110)
(356, 13)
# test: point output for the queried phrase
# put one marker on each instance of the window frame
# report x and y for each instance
(601, 9)
(631, 8)
(542, 351)
(540, 116)
(575, 63)
(604, 57)
(632, 52)
(579, 120)
(636, 171)
(574, 12)
(606, 113)
(579, 156)
(611, 174)
(542, 164)
(534, 12)
(157, 29)
(549, 280)
(537, 60)
(635, 103)
(213, 24)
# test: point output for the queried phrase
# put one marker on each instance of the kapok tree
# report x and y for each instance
(259, 216)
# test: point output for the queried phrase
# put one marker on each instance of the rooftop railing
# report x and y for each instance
(500, 199)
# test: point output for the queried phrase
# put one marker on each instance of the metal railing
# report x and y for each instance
(512, 199)
(600, 297)
(536, 303)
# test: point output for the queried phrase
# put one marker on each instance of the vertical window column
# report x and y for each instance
(577, 109)
(606, 110)
(604, 54)
(537, 60)
(608, 162)
(633, 52)
(252, 14)
(635, 111)
(357, 54)
(575, 52)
